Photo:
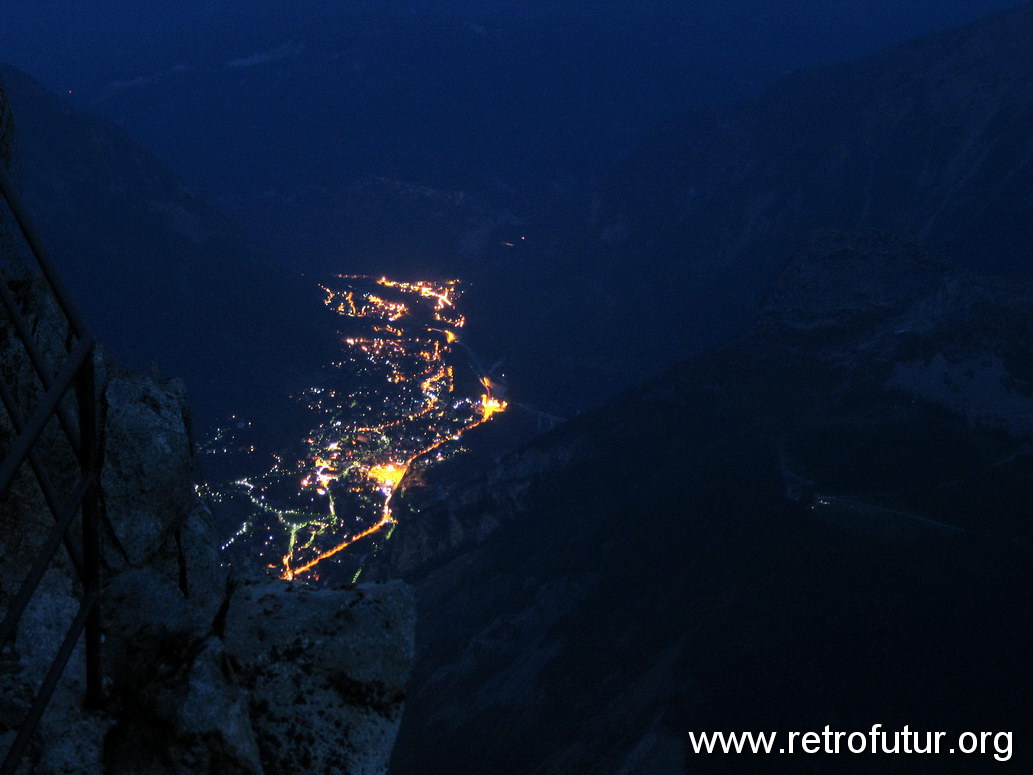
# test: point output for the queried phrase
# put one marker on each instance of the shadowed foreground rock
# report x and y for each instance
(200, 676)
(316, 699)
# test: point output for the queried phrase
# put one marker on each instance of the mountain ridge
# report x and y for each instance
(925, 139)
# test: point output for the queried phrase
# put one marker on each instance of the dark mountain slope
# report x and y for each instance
(162, 277)
(794, 531)
(928, 139)
(517, 105)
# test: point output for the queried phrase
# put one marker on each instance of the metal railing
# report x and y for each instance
(76, 370)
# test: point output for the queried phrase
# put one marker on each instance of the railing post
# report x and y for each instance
(90, 456)
(79, 369)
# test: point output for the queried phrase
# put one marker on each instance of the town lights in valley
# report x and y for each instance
(405, 405)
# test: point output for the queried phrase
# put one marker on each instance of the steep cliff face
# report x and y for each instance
(927, 139)
(924, 139)
(810, 526)
(202, 675)
(879, 305)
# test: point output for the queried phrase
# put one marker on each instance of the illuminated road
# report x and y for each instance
(403, 408)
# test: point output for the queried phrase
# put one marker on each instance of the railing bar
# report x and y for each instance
(32, 238)
(11, 304)
(89, 455)
(42, 477)
(42, 561)
(41, 415)
(39, 704)
(78, 367)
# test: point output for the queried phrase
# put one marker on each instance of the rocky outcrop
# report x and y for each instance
(318, 701)
(194, 665)
(888, 308)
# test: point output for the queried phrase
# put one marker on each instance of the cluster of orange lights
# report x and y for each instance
(387, 475)
(409, 354)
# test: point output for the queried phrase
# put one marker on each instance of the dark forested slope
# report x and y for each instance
(826, 522)
(161, 276)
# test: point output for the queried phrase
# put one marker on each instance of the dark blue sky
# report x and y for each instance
(71, 44)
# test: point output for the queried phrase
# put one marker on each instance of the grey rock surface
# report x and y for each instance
(189, 717)
(148, 465)
(328, 703)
